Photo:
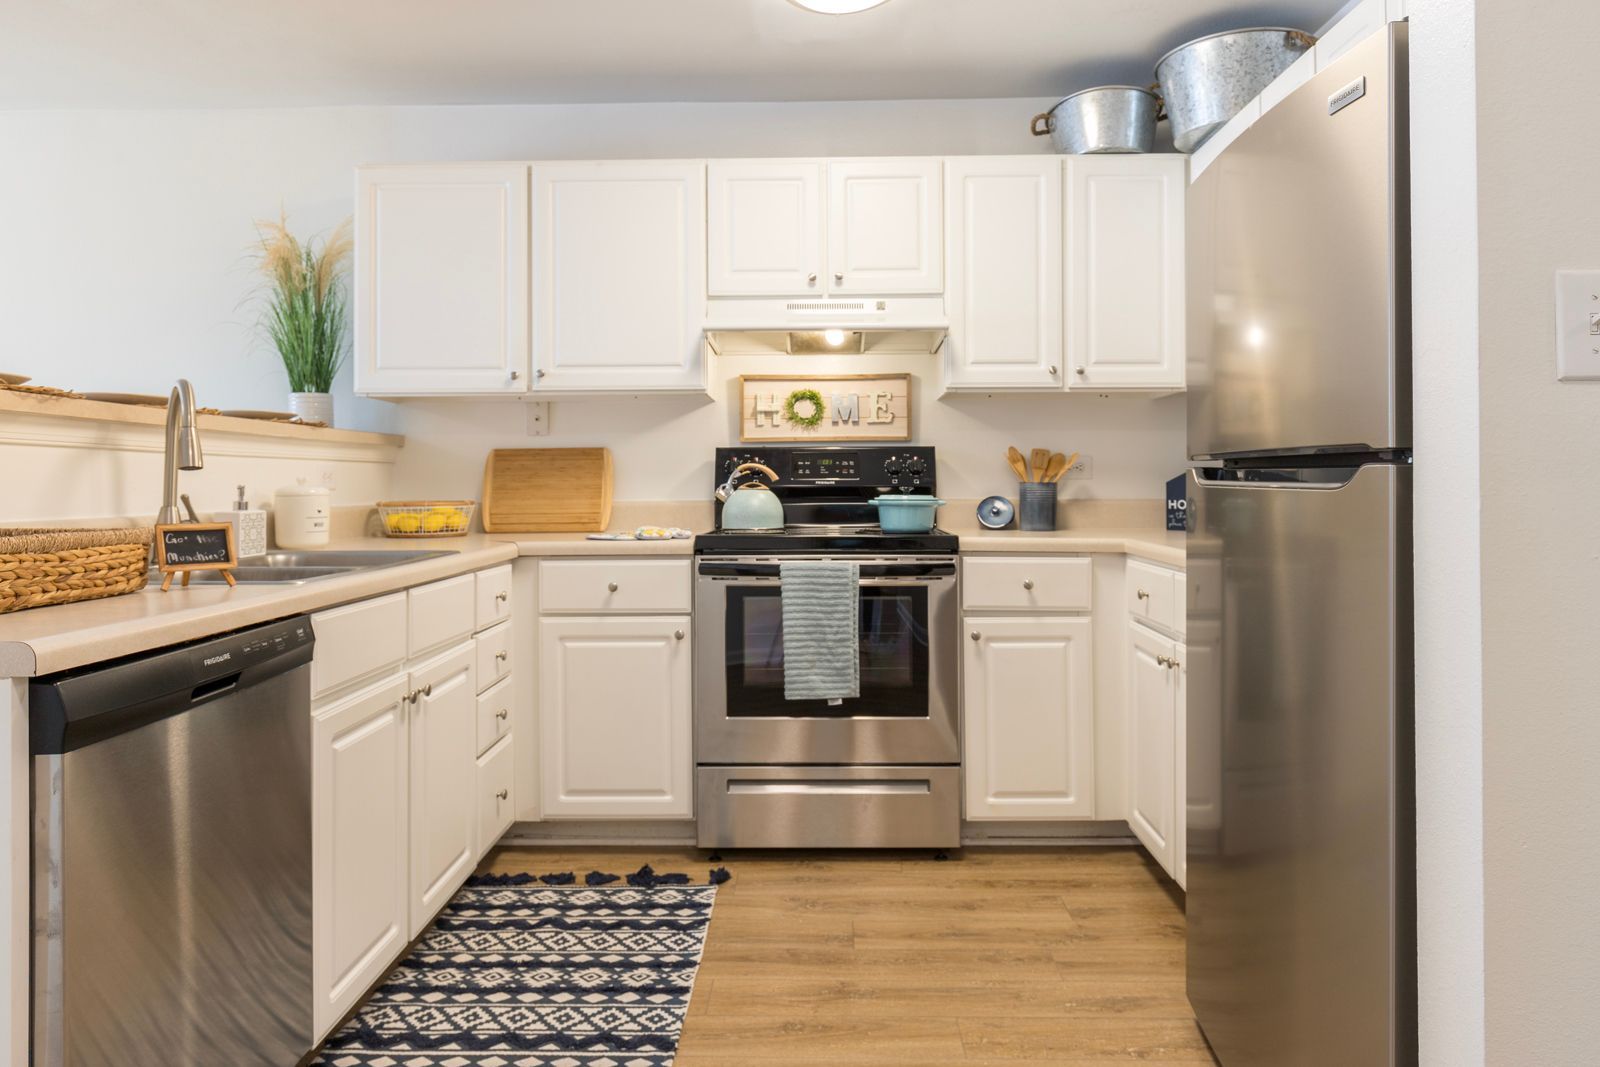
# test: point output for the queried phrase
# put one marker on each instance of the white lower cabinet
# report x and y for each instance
(359, 841)
(444, 818)
(1154, 736)
(1029, 718)
(497, 803)
(615, 717)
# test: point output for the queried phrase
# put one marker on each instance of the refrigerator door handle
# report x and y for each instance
(1315, 479)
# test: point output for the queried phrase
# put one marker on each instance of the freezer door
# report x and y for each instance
(1299, 777)
(1298, 268)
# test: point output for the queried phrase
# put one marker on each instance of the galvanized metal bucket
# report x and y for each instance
(1207, 81)
(1110, 118)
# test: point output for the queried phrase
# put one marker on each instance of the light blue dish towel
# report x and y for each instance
(821, 630)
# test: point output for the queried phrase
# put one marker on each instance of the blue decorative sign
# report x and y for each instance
(1178, 503)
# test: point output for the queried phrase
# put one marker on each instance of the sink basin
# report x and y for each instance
(298, 567)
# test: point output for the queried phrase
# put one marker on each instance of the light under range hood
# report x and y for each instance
(743, 326)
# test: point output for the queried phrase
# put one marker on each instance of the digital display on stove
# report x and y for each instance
(834, 466)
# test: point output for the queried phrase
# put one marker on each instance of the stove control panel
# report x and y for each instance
(871, 467)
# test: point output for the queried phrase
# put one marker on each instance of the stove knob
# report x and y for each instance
(916, 466)
(893, 466)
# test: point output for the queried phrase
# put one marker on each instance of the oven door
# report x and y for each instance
(906, 712)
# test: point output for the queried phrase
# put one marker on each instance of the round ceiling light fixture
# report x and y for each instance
(837, 7)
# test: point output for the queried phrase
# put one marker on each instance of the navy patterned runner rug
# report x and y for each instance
(525, 972)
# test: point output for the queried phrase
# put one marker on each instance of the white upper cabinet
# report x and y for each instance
(884, 226)
(619, 276)
(1125, 272)
(765, 234)
(441, 279)
(1003, 292)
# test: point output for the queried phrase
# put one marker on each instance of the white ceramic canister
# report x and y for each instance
(301, 515)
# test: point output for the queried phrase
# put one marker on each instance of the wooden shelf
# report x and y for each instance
(61, 407)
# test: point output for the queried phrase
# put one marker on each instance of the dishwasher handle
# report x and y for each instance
(77, 708)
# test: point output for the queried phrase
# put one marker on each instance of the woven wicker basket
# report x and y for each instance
(54, 566)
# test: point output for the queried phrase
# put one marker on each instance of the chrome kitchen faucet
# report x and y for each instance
(183, 449)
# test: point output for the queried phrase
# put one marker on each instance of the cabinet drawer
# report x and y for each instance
(1152, 594)
(1031, 583)
(494, 596)
(597, 586)
(496, 799)
(494, 715)
(494, 655)
(357, 641)
(440, 613)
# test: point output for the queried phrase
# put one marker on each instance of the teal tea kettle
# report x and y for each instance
(753, 505)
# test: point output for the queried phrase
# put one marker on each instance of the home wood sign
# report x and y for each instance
(185, 547)
(843, 407)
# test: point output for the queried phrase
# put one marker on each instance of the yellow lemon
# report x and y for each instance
(434, 522)
(404, 523)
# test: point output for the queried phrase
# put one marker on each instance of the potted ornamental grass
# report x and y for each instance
(307, 311)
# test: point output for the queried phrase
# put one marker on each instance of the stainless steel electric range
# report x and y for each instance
(878, 771)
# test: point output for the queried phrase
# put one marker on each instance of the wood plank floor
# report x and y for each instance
(1016, 957)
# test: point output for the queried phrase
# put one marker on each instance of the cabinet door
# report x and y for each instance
(1125, 287)
(619, 276)
(444, 764)
(441, 279)
(884, 232)
(1153, 743)
(614, 717)
(764, 226)
(360, 916)
(1180, 846)
(1029, 719)
(1003, 254)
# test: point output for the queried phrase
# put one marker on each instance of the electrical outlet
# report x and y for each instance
(1082, 468)
(538, 417)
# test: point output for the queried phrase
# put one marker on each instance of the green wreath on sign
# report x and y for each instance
(791, 413)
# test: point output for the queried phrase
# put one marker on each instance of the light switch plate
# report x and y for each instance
(1578, 325)
(1082, 468)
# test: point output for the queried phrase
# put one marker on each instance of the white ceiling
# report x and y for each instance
(253, 53)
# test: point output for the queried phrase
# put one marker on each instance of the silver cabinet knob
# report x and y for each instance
(502, 714)
(501, 655)
(503, 794)
(811, 279)
(678, 634)
(1027, 583)
(1081, 372)
(976, 636)
(611, 587)
(1173, 664)
(540, 373)
(838, 276)
(417, 694)
(1053, 370)
(515, 375)
(502, 597)
(1142, 594)
(1162, 660)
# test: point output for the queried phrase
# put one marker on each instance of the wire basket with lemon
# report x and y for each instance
(426, 518)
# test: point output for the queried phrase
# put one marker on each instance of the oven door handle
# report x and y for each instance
(712, 569)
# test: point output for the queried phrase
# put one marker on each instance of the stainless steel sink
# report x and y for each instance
(298, 567)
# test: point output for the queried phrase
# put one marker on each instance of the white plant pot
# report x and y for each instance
(312, 407)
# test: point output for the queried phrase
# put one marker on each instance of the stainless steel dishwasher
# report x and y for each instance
(172, 855)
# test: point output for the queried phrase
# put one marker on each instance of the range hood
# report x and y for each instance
(745, 326)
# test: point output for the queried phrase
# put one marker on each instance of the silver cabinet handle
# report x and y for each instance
(417, 694)
(838, 276)
(502, 714)
(503, 794)
(1142, 594)
(1173, 664)
(1081, 372)
(811, 279)
(502, 596)
(540, 373)
(515, 375)
(1027, 583)
(1053, 370)
(611, 587)
(678, 634)
(501, 655)
(976, 636)
(1163, 661)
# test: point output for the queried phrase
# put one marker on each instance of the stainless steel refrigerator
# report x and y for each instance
(1299, 766)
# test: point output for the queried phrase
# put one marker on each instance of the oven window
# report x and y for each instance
(894, 656)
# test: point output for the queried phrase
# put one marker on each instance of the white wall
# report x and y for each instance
(125, 265)
(1537, 213)
(1449, 630)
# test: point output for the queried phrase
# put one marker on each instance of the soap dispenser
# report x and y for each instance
(249, 527)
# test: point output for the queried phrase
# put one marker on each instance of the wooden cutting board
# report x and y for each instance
(547, 490)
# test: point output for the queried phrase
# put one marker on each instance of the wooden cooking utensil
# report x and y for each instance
(1018, 464)
(1059, 465)
(1039, 458)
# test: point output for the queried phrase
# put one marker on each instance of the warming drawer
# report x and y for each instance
(829, 807)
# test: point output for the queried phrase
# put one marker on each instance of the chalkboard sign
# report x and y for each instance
(185, 547)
